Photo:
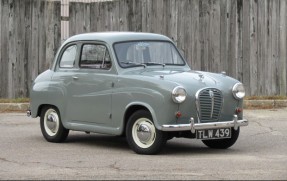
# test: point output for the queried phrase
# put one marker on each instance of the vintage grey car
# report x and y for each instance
(137, 85)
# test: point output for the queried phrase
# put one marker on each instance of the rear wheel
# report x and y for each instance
(223, 143)
(142, 135)
(51, 125)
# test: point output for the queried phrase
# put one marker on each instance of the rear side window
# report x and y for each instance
(68, 57)
(95, 56)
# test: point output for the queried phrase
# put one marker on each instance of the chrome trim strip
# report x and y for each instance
(198, 126)
(29, 113)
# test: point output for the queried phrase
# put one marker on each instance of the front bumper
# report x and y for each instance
(29, 113)
(235, 123)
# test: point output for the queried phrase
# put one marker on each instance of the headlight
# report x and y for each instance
(178, 94)
(238, 91)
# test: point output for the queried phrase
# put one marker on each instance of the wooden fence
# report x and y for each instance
(29, 38)
(247, 39)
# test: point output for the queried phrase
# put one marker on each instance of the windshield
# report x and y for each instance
(145, 53)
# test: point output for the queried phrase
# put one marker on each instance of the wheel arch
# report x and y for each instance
(133, 107)
(40, 107)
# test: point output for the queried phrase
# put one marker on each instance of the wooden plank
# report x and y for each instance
(21, 51)
(57, 30)
(158, 16)
(204, 19)
(79, 21)
(16, 69)
(224, 16)
(261, 47)
(94, 17)
(87, 13)
(268, 57)
(11, 50)
(137, 8)
(123, 14)
(181, 27)
(239, 61)
(233, 42)
(27, 47)
(115, 13)
(195, 40)
(187, 34)
(246, 46)
(42, 37)
(275, 15)
(49, 31)
(102, 11)
(253, 47)
(15, 50)
(144, 15)
(53, 30)
(33, 61)
(150, 26)
(72, 14)
(214, 60)
(173, 21)
(283, 48)
(1, 60)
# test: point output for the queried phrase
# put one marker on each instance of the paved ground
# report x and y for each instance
(260, 153)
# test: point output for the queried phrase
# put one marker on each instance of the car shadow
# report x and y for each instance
(173, 147)
(99, 140)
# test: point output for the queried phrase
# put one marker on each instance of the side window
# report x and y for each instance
(68, 57)
(95, 56)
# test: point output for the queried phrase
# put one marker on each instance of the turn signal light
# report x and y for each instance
(239, 110)
(178, 114)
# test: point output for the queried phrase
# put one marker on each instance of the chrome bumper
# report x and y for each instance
(235, 123)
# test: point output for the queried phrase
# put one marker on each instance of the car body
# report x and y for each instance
(138, 85)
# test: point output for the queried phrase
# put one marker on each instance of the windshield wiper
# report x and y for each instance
(155, 63)
(133, 63)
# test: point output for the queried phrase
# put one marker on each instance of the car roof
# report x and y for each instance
(112, 37)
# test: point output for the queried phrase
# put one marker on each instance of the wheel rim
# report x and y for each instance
(51, 122)
(143, 132)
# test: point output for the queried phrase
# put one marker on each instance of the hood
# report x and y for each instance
(191, 80)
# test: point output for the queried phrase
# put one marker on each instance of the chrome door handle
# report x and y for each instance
(75, 78)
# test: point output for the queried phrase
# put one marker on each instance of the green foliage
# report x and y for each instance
(18, 100)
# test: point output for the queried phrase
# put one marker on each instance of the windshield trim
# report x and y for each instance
(131, 66)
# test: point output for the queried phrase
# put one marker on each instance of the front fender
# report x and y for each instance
(149, 108)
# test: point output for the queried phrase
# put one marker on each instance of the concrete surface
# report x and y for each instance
(14, 106)
(260, 153)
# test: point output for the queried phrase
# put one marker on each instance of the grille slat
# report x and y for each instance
(209, 104)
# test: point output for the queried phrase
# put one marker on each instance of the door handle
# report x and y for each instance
(75, 78)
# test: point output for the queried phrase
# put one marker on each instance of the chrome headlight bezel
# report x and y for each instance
(178, 94)
(238, 91)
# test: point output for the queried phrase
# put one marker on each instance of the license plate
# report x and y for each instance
(213, 133)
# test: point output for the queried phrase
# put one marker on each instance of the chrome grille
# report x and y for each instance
(209, 104)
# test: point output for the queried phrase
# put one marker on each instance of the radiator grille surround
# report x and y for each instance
(209, 104)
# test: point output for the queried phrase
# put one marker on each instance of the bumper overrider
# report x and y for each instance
(235, 123)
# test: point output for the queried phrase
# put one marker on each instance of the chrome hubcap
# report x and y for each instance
(144, 133)
(51, 122)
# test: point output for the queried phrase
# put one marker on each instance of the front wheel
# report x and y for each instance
(51, 125)
(142, 136)
(223, 143)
